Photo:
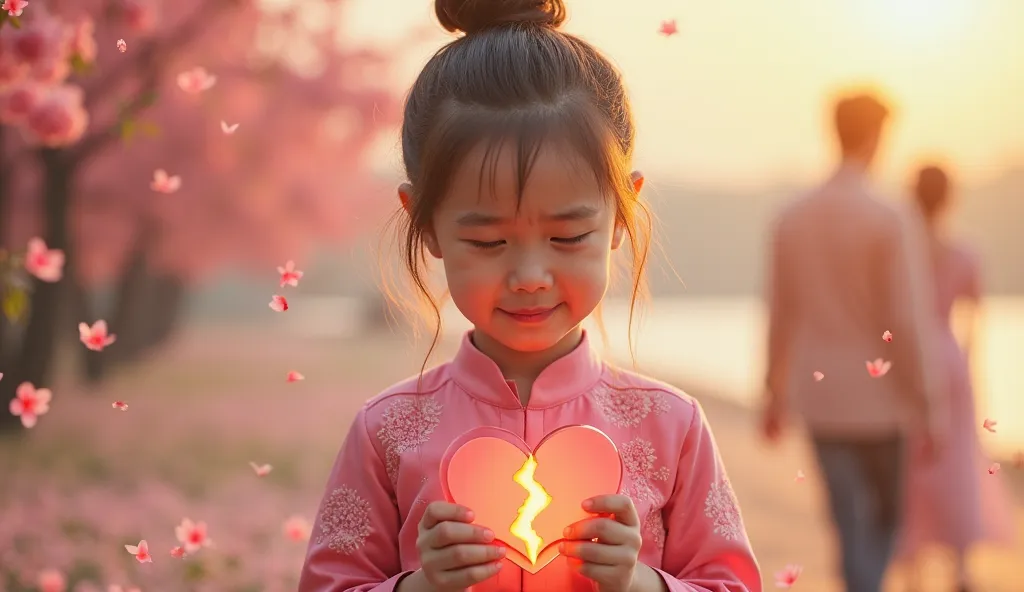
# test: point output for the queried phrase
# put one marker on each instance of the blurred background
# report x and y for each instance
(732, 114)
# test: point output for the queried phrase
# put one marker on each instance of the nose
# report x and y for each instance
(530, 273)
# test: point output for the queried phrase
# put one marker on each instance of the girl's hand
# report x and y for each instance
(611, 560)
(455, 554)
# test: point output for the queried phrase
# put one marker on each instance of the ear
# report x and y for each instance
(430, 242)
(638, 180)
(429, 238)
(405, 195)
(618, 233)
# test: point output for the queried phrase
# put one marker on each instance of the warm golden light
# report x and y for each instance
(915, 20)
(536, 501)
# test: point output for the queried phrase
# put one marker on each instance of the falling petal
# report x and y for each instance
(992, 470)
(887, 337)
(120, 405)
(294, 376)
(788, 576)
(818, 376)
(261, 470)
(990, 425)
(278, 303)
(122, 46)
(228, 129)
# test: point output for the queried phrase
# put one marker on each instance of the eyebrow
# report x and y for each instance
(572, 214)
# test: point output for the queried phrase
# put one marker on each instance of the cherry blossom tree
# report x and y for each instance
(264, 121)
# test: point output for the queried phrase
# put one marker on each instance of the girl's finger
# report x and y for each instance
(597, 553)
(458, 557)
(620, 506)
(438, 512)
(606, 530)
(459, 579)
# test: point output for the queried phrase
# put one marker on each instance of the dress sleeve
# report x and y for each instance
(354, 543)
(706, 545)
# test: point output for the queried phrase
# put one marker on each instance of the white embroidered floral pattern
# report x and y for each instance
(408, 423)
(627, 408)
(722, 508)
(654, 524)
(639, 460)
(344, 521)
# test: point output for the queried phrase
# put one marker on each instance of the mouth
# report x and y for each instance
(531, 315)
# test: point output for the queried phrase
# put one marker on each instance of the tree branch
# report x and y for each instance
(149, 62)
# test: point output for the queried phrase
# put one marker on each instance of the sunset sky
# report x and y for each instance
(739, 97)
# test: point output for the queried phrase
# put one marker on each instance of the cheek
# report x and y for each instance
(584, 277)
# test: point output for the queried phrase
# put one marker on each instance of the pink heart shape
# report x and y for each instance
(573, 463)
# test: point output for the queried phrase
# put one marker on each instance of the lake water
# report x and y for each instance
(718, 345)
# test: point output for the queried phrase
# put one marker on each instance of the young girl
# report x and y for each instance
(517, 142)
(953, 501)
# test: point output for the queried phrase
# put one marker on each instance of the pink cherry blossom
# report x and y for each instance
(192, 535)
(261, 470)
(96, 337)
(818, 376)
(294, 376)
(139, 15)
(29, 403)
(45, 264)
(887, 337)
(992, 470)
(278, 303)
(15, 7)
(668, 28)
(83, 40)
(164, 183)
(140, 551)
(120, 405)
(59, 118)
(44, 46)
(990, 425)
(12, 71)
(788, 576)
(196, 80)
(296, 529)
(52, 580)
(289, 275)
(19, 100)
(228, 129)
(178, 552)
(878, 368)
(122, 46)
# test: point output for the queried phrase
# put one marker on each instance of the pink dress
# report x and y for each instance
(954, 501)
(364, 537)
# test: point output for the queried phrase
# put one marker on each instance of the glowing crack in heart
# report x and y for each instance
(536, 501)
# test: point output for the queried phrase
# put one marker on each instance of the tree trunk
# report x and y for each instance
(130, 306)
(169, 300)
(92, 361)
(34, 361)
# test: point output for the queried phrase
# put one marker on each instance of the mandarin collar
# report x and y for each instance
(567, 377)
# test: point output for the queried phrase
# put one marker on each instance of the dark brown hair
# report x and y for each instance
(858, 118)
(931, 190)
(513, 77)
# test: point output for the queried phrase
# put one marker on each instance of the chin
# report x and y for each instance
(534, 340)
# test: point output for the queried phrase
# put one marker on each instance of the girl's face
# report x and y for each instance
(525, 279)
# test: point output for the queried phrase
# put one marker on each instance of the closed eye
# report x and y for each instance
(574, 240)
(485, 244)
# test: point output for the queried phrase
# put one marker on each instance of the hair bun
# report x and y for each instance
(471, 16)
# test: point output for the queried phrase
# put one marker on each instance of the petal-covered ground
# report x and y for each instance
(89, 479)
